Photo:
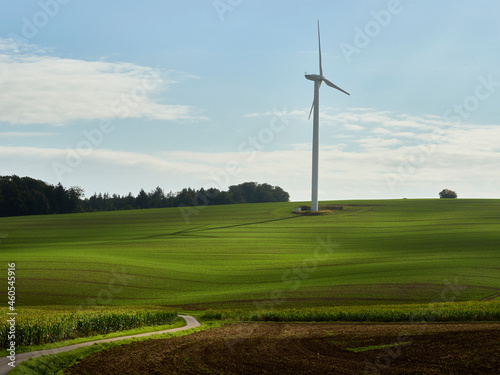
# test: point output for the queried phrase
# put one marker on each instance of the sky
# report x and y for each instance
(118, 95)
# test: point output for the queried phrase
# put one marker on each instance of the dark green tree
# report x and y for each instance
(157, 198)
(142, 200)
(281, 195)
(264, 193)
(446, 193)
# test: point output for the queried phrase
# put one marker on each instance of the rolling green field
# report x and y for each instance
(258, 255)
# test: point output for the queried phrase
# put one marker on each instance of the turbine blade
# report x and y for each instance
(311, 111)
(319, 44)
(334, 86)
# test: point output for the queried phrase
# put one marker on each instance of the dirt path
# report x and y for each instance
(5, 368)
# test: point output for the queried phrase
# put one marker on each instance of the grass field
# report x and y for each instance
(258, 255)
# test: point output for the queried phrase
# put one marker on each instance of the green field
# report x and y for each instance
(259, 255)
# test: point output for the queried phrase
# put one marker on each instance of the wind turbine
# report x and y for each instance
(318, 79)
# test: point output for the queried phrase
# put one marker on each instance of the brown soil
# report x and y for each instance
(310, 348)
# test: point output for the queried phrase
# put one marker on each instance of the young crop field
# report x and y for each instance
(258, 256)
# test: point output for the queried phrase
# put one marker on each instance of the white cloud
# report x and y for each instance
(353, 127)
(389, 164)
(24, 134)
(277, 113)
(38, 88)
(377, 143)
(381, 119)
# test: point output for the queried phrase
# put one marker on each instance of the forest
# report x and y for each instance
(28, 196)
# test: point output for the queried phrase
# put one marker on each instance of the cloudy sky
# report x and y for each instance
(119, 95)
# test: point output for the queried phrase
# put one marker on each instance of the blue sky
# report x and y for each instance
(115, 96)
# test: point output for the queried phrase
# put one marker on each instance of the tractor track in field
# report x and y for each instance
(191, 322)
(128, 274)
(490, 297)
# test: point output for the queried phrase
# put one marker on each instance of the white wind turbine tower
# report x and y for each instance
(317, 78)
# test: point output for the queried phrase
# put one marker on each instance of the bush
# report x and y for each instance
(445, 193)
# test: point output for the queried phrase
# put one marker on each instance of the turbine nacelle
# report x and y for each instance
(320, 77)
(314, 77)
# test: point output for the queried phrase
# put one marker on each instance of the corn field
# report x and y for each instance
(39, 326)
(437, 312)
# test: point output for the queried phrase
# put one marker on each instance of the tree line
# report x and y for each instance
(28, 196)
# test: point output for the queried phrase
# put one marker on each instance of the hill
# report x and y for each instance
(259, 255)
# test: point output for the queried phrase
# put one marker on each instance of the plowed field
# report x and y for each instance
(310, 348)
